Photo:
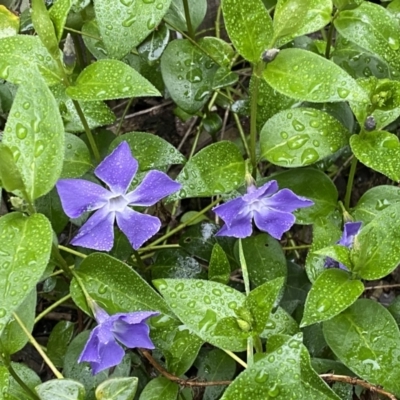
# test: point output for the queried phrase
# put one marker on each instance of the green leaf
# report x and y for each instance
(377, 252)
(58, 14)
(366, 339)
(260, 302)
(301, 136)
(331, 293)
(346, 4)
(306, 76)
(188, 74)
(314, 185)
(44, 28)
(109, 282)
(92, 39)
(264, 258)
(153, 46)
(374, 29)
(150, 150)
(340, 253)
(124, 24)
(22, 53)
(218, 168)
(249, 27)
(9, 23)
(160, 388)
(25, 251)
(10, 176)
(203, 306)
(58, 342)
(176, 14)
(219, 269)
(35, 134)
(4, 376)
(374, 201)
(279, 323)
(218, 49)
(61, 389)
(77, 159)
(108, 80)
(13, 337)
(29, 377)
(379, 150)
(117, 389)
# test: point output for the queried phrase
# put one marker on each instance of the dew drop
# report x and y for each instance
(261, 377)
(298, 126)
(39, 148)
(26, 105)
(274, 391)
(342, 92)
(309, 156)
(284, 135)
(315, 124)
(324, 305)
(129, 21)
(297, 141)
(2, 312)
(22, 132)
(393, 43)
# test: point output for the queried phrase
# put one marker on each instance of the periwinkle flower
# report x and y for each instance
(350, 230)
(103, 349)
(270, 208)
(117, 170)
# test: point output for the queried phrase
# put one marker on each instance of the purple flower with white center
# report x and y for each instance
(270, 208)
(350, 230)
(103, 349)
(117, 170)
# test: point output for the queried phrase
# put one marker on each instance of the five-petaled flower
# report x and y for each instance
(117, 170)
(270, 208)
(103, 350)
(350, 230)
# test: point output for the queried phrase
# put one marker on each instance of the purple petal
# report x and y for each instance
(350, 230)
(98, 231)
(131, 336)
(285, 200)
(110, 354)
(266, 190)
(91, 351)
(137, 227)
(276, 223)
(78, 196)
(230, 210)
(134, 317)
(100, 314)
(155, 186)
(118, 169)
(239, 228)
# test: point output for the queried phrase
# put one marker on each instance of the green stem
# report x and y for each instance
(250, 353)
(218, 22)
(62, 263)
(258, 344)
(299, 247)
(123, 116)
(71, 251)
(236, 358)
(36, 345)
(243, 266)
(188, 20)
(163, 246)
(87, 130)
(139, 260)
(52, 307)
(21, 383)
(330, 37)
(82, 33)
(350, 181)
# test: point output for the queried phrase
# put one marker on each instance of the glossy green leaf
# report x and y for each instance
(9, 23)
(77, 159)
(22, 53)
(332, 292)
(13, 337)
(306, 76)
(377, 252)
(151, 151)
(160, 388)
(61, 389)
(279, 323)
(264, 258)
(124, 24)
(59, 339)
(4, 379)
(208, 308)
(283, 373)
(27, 375)
(338, 253)
(152, 48)
(366, 339)
(249, 27)
(312, 16)
(379, 150)
(260, 302)
(25, 251)
(374, 201)
(117, 389)
(58, 14)
(218, 168)
(35, 134)
(110, 281)
(108, 80)
(347, 4)
(314, 185)
(10, 176)
(219, 269)
(176, 14)
(301, 136)
(93, 40)
(221, 51)
(375, 29)
(188, 74)
(296, 288)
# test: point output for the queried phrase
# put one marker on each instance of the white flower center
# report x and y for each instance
(118, 203)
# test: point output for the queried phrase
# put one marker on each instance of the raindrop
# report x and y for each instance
(207, 299)
(261, 377)
(282, 157)
(381, 204)
(179, 287)
(127, 3)
(342, 92)
(298, 126)
(309, 156)
(217, 292)
(22, 132)
(324, 305)
(2, 312)
(26, 105)
(314, 124)
(39, 148)
(274, 391)
(151, 24)
(297, 141)
(393, 43)
(148, 1)
(316, 143)
(195, 75)
(103, 289)
(160, 6)
(129, 21)
(284, 135)
(232, 305)
(270, 325)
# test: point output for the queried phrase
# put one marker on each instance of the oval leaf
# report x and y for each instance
(61, 389)
(176, 13)
(160, 388)
(117, 389)
(77, 158)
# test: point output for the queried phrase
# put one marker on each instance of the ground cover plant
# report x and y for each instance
(245, 245)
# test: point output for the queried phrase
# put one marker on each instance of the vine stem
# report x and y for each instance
(52, 307)
(188, 20)
(71, 251)
(36, 345)
(235, 357)
(20, 382)
(330, 37)
(350, 182)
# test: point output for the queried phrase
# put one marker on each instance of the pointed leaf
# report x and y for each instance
(9, 23)
(58, 342)
(117, 389)
(61, 389)
(219, 269)
(58, 14)
(176, 13)
(10, 176)
(77, 159)
(160, 388)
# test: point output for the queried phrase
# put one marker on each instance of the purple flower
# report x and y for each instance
(117, 170)
(350, 230)
(270, 208)
(103, 350)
